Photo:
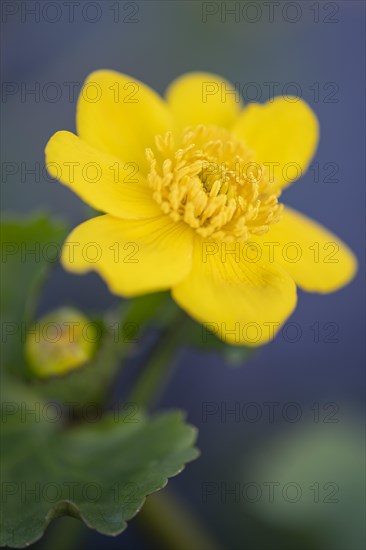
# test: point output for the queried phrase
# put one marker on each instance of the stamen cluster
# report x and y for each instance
(211, 182)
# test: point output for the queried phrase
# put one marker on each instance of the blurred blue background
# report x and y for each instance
(318, 439)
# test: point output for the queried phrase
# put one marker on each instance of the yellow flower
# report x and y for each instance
(190, 186)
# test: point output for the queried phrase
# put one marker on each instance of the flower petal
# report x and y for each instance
(120, 115)
(243, 302)
(282, 132)
(203, 98)
(134, 257)
(316, 259)
(101, 180)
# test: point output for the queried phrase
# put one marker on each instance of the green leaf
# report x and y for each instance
(28, 249)
(99, 473)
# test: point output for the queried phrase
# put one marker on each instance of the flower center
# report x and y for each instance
(211, 182)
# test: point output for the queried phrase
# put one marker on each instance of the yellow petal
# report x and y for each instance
(103, 181)
(120, 115)
(283, 134)
(316, 259)
(244, 303)
(203, 98)
(134, 257)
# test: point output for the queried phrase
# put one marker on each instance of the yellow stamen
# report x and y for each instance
(211, 182)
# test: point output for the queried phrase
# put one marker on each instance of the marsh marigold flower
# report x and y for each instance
(191, 189)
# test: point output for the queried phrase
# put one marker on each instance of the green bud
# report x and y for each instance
(60, 342)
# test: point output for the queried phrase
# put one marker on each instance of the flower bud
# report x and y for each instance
(60, 342)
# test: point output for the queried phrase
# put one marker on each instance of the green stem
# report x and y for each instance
(164, 515)
(64, 533)
(154, 377)
(169, 521)
(133, 317)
